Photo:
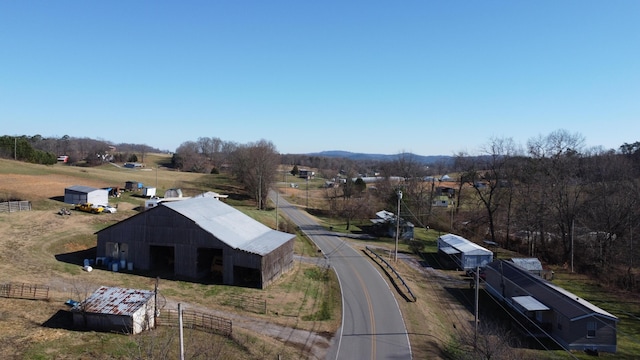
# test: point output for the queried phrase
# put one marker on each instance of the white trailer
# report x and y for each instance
(149, 192)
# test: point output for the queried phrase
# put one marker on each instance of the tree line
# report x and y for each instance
(552, 198)
(79, 151)
(253, 165)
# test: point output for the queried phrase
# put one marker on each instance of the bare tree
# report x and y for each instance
(561, 167)
(489, 178)
(609, 205)
(254, 166)
(188, 157)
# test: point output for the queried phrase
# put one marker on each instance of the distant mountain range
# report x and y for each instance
(432, 159)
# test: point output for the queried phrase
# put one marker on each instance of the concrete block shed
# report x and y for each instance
(78, 194)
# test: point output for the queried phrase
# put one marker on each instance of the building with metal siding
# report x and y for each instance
(79, 194)
(116, 309)
(199, 238)
(464, 254)
(549, 310)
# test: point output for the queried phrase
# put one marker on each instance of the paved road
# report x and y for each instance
(372, 324)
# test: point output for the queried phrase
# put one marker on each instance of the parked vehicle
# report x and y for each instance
(90, 208)
(108, 209)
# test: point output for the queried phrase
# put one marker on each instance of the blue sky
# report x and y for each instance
(428, 77)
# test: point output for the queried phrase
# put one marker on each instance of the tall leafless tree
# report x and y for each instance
(254, 166)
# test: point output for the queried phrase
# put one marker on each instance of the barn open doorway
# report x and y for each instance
(163, 259)
(247, 277)
(210, 264)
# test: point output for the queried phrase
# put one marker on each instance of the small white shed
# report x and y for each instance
(116, 309)
(173, 193)
(465, 254)
(79, 194)
(149, 191)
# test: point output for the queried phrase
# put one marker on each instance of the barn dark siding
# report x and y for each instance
(162, 239)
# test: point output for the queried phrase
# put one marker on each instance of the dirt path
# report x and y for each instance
(314, 344)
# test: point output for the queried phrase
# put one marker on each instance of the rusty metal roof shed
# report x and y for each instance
(115, 301)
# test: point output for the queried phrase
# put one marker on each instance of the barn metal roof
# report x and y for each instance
(82, 188)
(115, 301)
(230, 225)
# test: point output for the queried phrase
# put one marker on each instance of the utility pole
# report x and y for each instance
(181, 332)
(155, 302)
(260, 191)
(307, 191)
(477, 293)
(277, 197)
(573, 229)
(399, 193)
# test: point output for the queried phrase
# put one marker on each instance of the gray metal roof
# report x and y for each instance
(531, 264)
(115, 301)
(551, 295)
(82, 188)
(462, 245)
(230, 225)
(529, 303)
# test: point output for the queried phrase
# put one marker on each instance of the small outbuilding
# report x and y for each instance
(116, 309)
(133, 185)
(173, 193)
(385, 224)
(78, 194)
(149, 191)
(465, 255)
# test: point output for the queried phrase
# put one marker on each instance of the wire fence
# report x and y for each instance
(246, 303)
(196, 320)
(24, 291)
(13, 206)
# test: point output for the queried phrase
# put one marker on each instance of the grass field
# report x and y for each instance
(305, 299)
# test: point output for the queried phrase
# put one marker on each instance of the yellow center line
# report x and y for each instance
(371, 314)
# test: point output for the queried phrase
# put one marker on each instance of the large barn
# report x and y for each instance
(199, 238)
(79, 194)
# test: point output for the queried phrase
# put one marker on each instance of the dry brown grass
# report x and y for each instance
(42, 247)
